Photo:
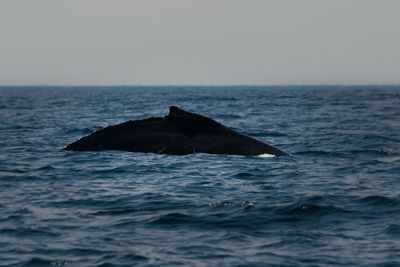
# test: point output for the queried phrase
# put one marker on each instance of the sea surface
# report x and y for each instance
(335, 201)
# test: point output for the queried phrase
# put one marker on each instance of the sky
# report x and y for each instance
(203, 42)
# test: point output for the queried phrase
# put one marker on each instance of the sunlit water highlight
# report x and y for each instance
(266, 156)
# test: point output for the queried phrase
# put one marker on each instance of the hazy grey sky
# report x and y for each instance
(206, 42)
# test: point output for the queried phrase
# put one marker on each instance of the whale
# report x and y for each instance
(178, 133)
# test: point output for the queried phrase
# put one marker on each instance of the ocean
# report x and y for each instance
(335, 201)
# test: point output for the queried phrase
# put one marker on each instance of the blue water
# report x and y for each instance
(334, 202)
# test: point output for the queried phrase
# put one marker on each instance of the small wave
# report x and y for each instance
(371, 151)
(23, 232)
(35, 261)
(393, 229)
(230, 116)
(173, 218)
(265, 134)
(243, 175)
(320, 153)
(81, 251)
(375, 137)
(25, 126)
(229, 204)
(117, 211)
(87, 202)
(131, 257)
(311, 207)
(388, 159)
(112, 170)
(46, 167)
(378, 201)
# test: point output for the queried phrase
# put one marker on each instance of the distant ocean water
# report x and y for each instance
(334, 202)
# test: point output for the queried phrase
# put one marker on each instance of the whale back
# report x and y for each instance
(179, 133)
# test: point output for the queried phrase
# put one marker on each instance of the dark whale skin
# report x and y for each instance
(178, 133)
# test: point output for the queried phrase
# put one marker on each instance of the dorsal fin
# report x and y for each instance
(175, 111)
(190, 123)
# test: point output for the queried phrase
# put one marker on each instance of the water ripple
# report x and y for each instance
(333, 202)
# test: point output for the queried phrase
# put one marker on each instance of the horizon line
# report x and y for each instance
(207, 85)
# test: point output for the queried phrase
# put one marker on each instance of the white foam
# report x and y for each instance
(266, 156)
